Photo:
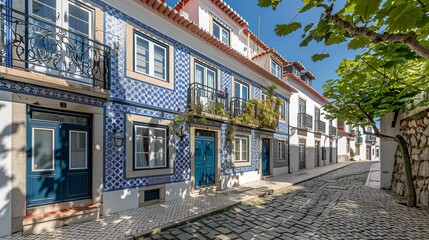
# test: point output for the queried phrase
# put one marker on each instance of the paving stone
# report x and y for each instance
(311, 210)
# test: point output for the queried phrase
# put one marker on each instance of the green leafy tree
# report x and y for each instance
(385, 79)
(388, 76)
(361, 22)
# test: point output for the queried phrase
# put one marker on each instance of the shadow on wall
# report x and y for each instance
(6, 177)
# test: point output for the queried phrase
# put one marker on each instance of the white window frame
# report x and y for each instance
(296, 71)
(151, 50)
(151, 154)
(205, 74)
(276, 69)
(33, 148)
(221, 33)
(86, 150)
(241, 138)
(242, 85)
(281, 149)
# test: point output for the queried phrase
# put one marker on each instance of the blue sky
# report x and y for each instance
(288, 46)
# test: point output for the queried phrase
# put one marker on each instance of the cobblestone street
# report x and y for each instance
(337, 205)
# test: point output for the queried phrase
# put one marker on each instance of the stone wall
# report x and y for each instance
(415, 130)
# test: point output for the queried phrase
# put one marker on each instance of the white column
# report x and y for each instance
(5, 163)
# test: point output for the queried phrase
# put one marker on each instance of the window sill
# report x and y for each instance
(241, 163)
(149, 172)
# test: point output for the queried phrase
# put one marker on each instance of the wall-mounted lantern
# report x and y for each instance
(117, 139)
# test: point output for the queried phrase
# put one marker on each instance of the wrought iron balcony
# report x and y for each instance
(370, 138)
(209, 100)
(359, 140)
(305, 121)
(319, 126)
(332, 131)
(34, 44)
(240, 106)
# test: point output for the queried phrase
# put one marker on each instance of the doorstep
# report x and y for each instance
(42, 222)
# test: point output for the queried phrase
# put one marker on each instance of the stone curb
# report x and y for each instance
(224, 208)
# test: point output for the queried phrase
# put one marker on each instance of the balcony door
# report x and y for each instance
(59, 39)
(205, 86)
(241, 95)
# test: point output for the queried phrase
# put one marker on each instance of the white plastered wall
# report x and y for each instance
(6, 128)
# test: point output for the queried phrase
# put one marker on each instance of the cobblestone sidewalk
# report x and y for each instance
(131, 223)
(337, 205)
(373, 179)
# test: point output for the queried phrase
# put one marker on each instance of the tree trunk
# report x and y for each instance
(411, 192)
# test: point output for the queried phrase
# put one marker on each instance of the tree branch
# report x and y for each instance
(409, 39)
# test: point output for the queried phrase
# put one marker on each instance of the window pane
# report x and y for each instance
(245, 92)
(210, 78)
(79, 19)
(142, 55)
(159, 148)
(225, 36)
(43, 149)
(160, 62)
(45, 9)
(237, 156)
(237, 89)
(78, 150)
(216, 30)
(142, 160)
(199, 74)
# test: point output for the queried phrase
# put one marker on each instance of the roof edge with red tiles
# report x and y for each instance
(222, 6)
(186, 24)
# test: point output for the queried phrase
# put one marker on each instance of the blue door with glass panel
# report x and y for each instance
(58, 157)
(204, 161)
(265, 157)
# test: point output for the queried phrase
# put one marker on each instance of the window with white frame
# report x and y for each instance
(241, 90)
(150, 147)
(296, 71)
(205, 75)
(241, 149)
(282, 116)
(150, 57)
(264, 96)
(220, 32)
(276, 69)
(282, 149)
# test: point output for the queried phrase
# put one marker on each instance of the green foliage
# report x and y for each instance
(286, 29)
(384, 79)
(361, 23)
(217, 108)
(319, 57)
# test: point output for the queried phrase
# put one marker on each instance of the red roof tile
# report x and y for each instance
(192, 27)
(222, 6)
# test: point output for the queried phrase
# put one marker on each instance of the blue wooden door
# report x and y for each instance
(265, 157)
(76, 160)
(204, 162)
(58, 158)
(43, 165)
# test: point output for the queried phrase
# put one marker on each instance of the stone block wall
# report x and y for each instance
(415, 130)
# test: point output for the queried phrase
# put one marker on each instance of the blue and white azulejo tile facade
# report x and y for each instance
(131, 96)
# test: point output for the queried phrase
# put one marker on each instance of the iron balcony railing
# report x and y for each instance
(370, 138)
(240, 106)
(319, 126)
(206, 99)
(332, 131)
(305, 121)
(359, 140)
(34, 44)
